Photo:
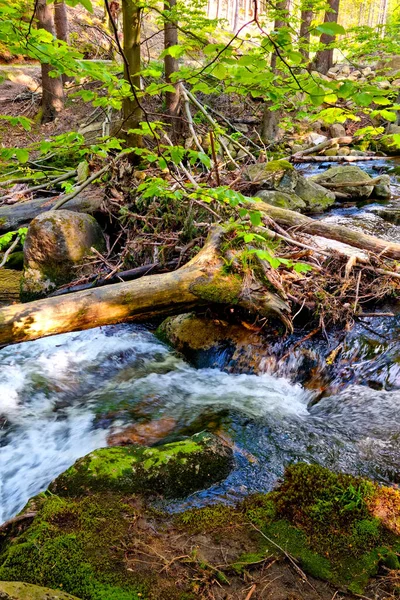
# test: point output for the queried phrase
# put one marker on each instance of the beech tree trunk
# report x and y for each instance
(199, 283)
(61, 20)
(132, 112)
(53, 93)
(306, 18)
(323, 60)
(173, 99)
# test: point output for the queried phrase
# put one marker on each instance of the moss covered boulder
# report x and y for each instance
(56, 244)
(281, 185)
(172, 470)
(109, 545)
(12, 590)
(389, 145)
(344, 177)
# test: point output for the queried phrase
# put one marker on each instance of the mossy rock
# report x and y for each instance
(172, 470)
(10, 283)
(317, 198)
(12, 590)
(56, 244)
(388, 145)
(283, 200)
(346, 176)
(269, 175)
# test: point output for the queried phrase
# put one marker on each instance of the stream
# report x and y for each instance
(61, 397)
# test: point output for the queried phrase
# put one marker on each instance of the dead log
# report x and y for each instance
(309, 159)
(289, 218)
(199, 283)
(345, 141)
(12, 217)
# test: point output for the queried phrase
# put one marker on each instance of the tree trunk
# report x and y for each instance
(306, 18)
(236, 16)
(323, 60)
(61, 20)
(53, 93)
(132, 112)
(171, 65)
(199, 283)
(340, 233)
(17, 215)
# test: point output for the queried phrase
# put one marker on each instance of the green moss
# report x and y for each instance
(278, 165)
(220, 289)
(76, 546)
(210, 518)
(174, 470)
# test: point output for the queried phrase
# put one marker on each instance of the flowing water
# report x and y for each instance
(61, 397)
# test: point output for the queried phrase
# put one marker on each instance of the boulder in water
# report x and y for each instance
(345, 176)
(56, 243)
(281, 185)
(173, 470)
(13, 590)
(382, 189)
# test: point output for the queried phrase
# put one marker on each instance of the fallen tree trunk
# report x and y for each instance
(201, 282)
(17, 215)
(309, 159)
(289, 218)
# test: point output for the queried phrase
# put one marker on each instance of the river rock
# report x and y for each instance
(283, 186)
(337, 130)
(172, 470)
(290, 201)
(344, 151)
(382, 190)
(347, 175)
(316, 138)
(56, 243)
(13, 590)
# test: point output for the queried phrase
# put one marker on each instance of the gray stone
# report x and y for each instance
(337, 130)
(389, 66)
(56, 243)
(282, 199)
(344, 151)
(315, 138)
(347, 175)
(382, 190)
(316, 197)
(367, 71)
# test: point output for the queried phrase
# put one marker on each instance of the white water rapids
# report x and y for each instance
(61, 396)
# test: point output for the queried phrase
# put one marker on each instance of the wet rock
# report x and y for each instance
(206, 342)
(274, 175)
(10, 283)
(56, 243)
(172, 470)
(346, 175)
(143, 434)
(337, 130)
(283, 200)
(12, 590)
(382, 190)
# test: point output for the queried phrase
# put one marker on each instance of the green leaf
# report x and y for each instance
(331, 29)
(255, 218)
(177, 153)
(302, 268)
(22, 155)
(381, 100)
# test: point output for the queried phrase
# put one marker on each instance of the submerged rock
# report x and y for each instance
(345, 176)
(12, 590)
(56, 243)
(173, 470)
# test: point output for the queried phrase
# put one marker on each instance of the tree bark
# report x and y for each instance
(132, 112)
(199, 283)
(53, 93)
(306, 18)
(17, 215)
(61, 20)
(173, 99)
(323, 60)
